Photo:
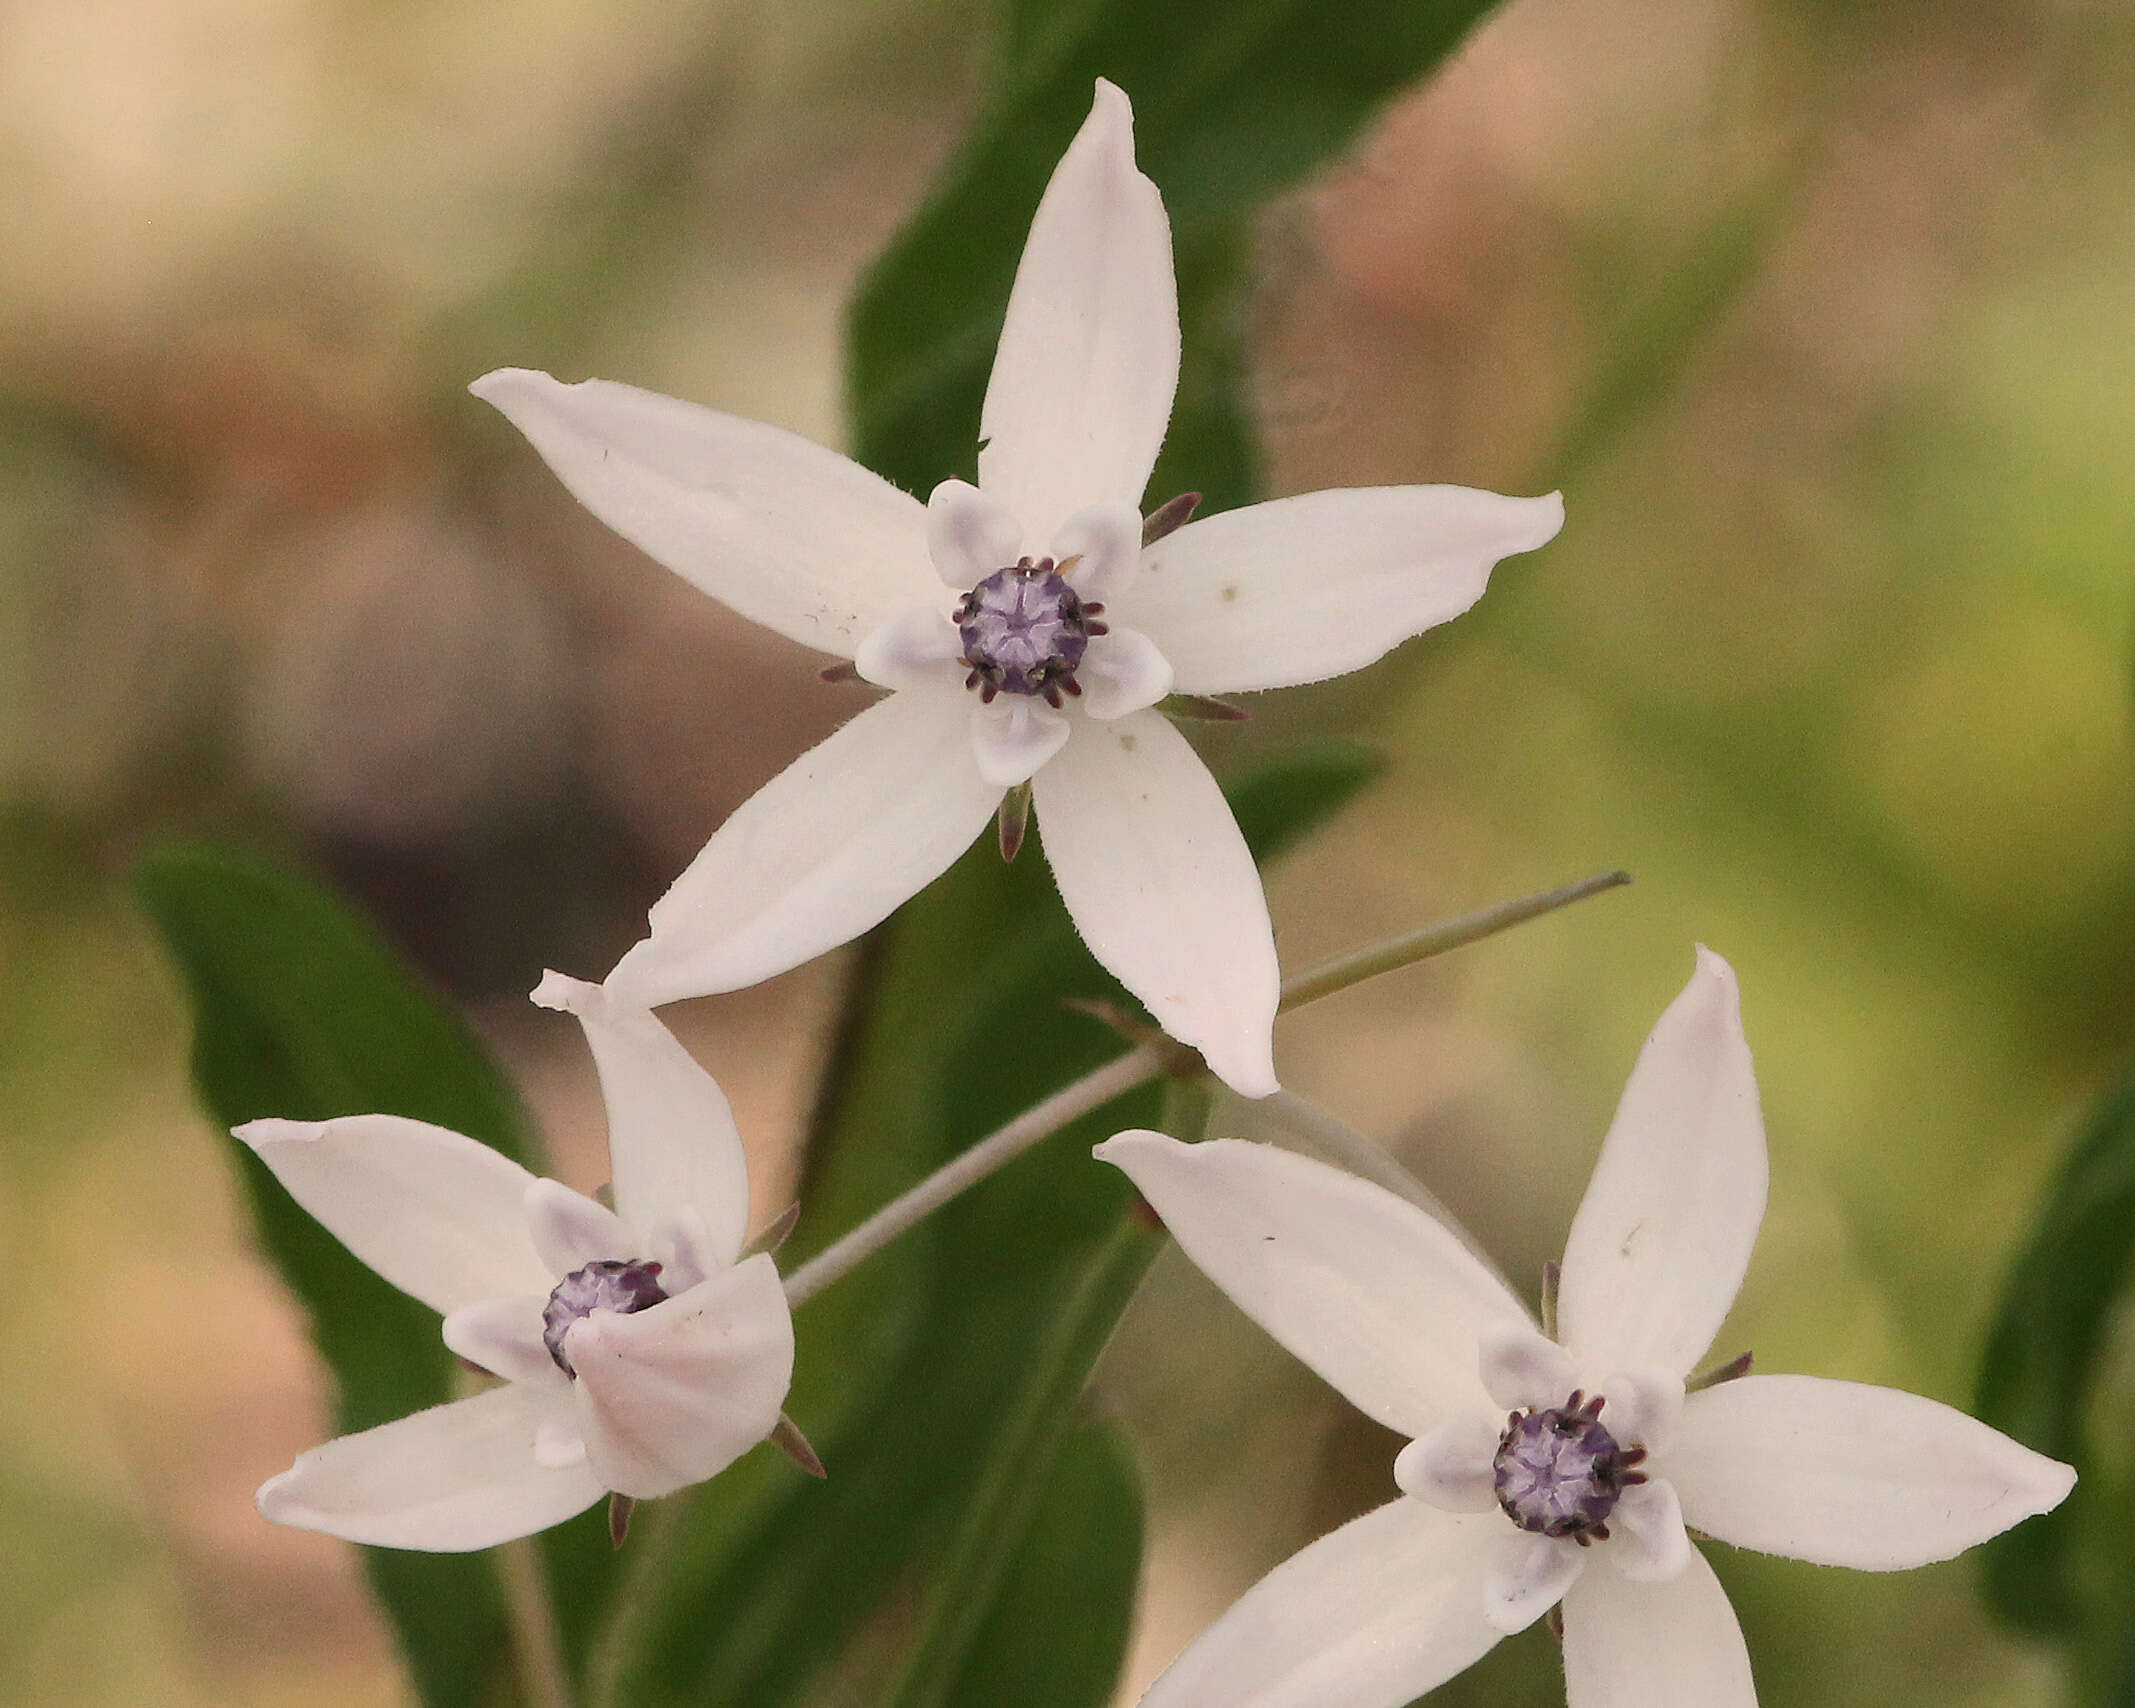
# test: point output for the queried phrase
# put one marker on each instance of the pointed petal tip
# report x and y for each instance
(273, 1130)
(1135, 1141)
(566, 995)
(1111, 100)
(502, 382)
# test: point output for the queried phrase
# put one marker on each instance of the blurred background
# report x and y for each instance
(1818, 312)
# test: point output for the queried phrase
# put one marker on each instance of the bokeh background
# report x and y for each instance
(1818, 312)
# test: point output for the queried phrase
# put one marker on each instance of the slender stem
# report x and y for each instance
(1040, 1121)
(1328, 1132)
(526, 1602)
(1369, 962)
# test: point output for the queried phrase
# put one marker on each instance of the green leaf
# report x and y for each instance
(1233, 103)
(299, 1011)
(934, 1380)
(2043, 1355)
(1056, 1631)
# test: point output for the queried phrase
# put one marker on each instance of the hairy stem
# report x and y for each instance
(1376, 958)
(533, 1627)
(1004, 1145)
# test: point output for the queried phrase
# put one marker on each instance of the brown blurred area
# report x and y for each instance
(1817, 311)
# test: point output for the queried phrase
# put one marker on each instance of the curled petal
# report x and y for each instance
(1310, 587)
(1528, 1578)
(1089, 354)
(445, 1480)
(1661, 1241)
(969, 535)
(1159, 882)
(1850, 1475)
(571, 1230)
(672, 1143)
(788, 534)
(1107, 541)
(820, 853)
(1521, 1368)
(1370, 1616)
(1372, 1293)
(1673, 1644)
(435, 1213)
(504, 1337)
(1452, 1466)
(1014, 736)
(675, 1394)
(1121, 673)
(914, 649)
(1647, 1539)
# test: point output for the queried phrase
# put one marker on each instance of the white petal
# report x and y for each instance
(504, 1337)
(1363, 1286)
(1849, 1475)
(1371, 1616)
(1089, 355)
(680, 1243)
(773, 526)
(1158, 880)
(671, 1137)
(1647, 1540)
(1660, 1243)
(1643, 1406)
(820, 853)
(915, 649)
(1452, 1465)
(557, 1443)
(1523, 1369)
(1014, 736)
(445, 1480)
(435, 1213)
(571, 1230)
(1121, 673)
(1528, 1578)
(970, 535)
(675, 1394)
(1105, 540)
(1309, 587)
(1654, 1645)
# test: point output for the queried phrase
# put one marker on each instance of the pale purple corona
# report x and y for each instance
(608, 1285)
(1559, 1472)
(1024, 631)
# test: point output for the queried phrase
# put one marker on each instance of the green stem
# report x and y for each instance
(1040, 1121)
(1396, 952)
(533, 1626)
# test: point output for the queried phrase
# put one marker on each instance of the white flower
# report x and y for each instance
(1539, 1473)
(999, 586)
(638, 1355)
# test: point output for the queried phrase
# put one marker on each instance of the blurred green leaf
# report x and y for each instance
(1056, 1628)
(1232, 104)
(299, 1011)
(936, 1378)
(2042, 1361)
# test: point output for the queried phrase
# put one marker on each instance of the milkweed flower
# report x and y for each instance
(1544, 1471)
(1028, 635)
(640, 1353)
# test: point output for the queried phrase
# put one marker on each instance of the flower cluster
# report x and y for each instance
(1031, 631)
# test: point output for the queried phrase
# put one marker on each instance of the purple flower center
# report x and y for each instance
(1559, 1472)
(603, 1286)
(1024, 631)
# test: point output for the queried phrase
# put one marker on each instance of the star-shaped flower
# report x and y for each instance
(1028, 634)
(1540, 1473)
(638, 1355)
